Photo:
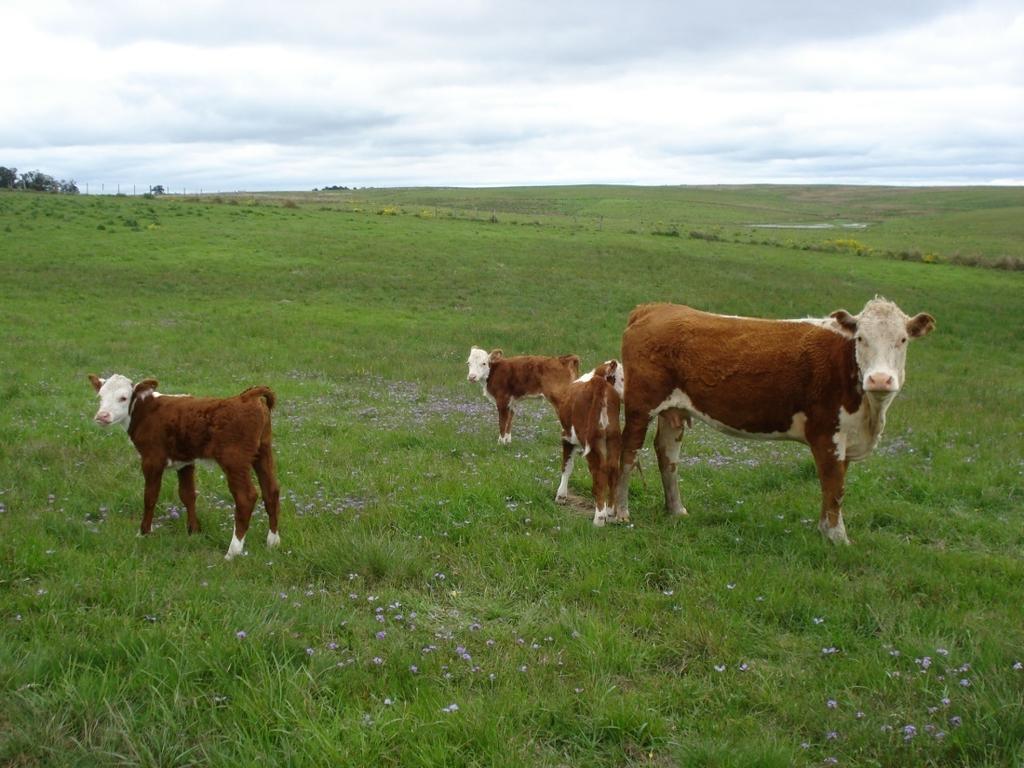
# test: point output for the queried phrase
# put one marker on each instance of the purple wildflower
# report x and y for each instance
(310, 651)
(965, 683)
(832, 704)
(832, 735)
(378, 660)
(414, 669)
(240, 634)
(1017, 666)
(909, 732)
(381, 635)
(956, 721)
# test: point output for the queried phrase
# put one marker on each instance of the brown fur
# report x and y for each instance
(233, 431)
(513, 378)
(749, 375)
(579, 410)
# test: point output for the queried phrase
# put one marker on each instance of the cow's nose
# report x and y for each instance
(881, 382)
(472, 377)
(102, 418)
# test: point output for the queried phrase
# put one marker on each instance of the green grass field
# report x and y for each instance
(430, 603)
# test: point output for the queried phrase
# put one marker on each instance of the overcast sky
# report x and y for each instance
(295, 95)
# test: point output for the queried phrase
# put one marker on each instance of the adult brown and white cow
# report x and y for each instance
(174, 431)
(507, 379)
(589, 414)
(824, 382)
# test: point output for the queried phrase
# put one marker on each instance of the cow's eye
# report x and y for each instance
(122, 398)
(903, 340)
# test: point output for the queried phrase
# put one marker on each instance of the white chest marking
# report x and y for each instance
(859, 431)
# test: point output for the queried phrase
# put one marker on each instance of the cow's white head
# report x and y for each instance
(881, 333)
(479, 363)
(611, 371)
(116, 394)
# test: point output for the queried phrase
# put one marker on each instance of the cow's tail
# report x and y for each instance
(265, 392)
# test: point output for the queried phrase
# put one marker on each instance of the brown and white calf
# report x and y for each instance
(589, 413)
(507, 379)
(174, 431)
(825, 382)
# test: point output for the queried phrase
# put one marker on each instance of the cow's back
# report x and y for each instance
(526, 375)
(201, 426)
(747, 373)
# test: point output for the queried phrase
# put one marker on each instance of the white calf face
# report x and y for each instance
(617, 378)
(881, 333)
(479, 363)
(115, 396)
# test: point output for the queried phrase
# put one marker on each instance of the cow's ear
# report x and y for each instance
(920, 325)
(145, 388)
(613, 366)
(97, 382)
(496, 355)
(572, 362)
(846, 321)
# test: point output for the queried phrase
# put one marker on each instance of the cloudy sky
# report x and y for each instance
(254, 95)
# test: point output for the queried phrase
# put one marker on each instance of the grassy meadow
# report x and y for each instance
(430, 603)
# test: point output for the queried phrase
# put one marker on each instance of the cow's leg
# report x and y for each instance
(832, 474)
(504, 420)
(611, 473)
(633, 434)
(595, 461)
(667, 441)
(568, 451)
(187, 494)
(154, 474)
(240, 483)
(265, 472)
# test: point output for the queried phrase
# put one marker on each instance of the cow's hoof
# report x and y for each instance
(235, 548)
(836, 534)
(273, 540)
(561, 499)
(599, 519)
(679, 511)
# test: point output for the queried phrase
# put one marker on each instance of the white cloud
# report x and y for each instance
(229, 95)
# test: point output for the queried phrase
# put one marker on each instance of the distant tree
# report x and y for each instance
(8, 177)
(39, 182)
(68, 187)
(157, 190)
